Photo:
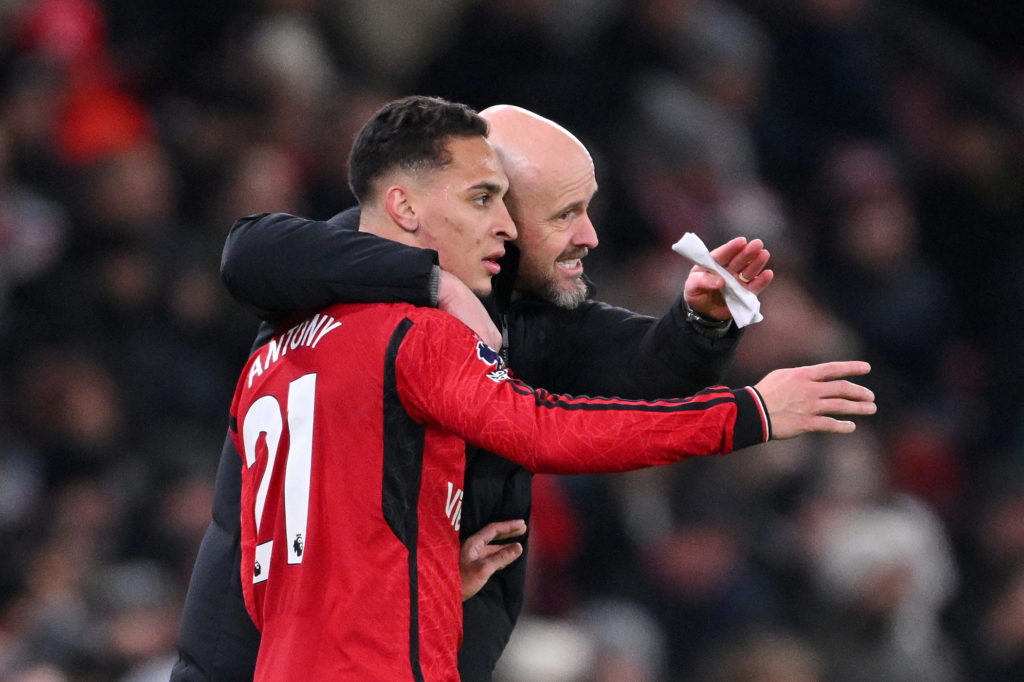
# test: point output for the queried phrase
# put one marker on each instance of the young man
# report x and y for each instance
(351, 425)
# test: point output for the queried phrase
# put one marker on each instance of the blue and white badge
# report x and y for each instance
(492, 358)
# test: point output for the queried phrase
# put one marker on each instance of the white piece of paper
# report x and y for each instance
(742, 302)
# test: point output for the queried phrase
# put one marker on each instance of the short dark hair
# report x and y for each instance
(409, 133)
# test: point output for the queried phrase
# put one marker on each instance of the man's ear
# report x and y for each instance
(398, 203)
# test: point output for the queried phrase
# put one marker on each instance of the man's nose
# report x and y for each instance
(506, 227)
(584, 233)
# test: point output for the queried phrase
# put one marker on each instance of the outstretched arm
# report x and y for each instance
(464, 390)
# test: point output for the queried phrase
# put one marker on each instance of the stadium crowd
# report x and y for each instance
(874, 148)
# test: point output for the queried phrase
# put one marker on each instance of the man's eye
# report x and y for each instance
(483, 199)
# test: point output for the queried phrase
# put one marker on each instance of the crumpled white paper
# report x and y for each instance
(742, 302)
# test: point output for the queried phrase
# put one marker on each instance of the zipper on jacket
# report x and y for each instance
(503, 352)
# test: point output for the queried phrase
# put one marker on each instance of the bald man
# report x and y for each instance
(554, 336)
(552, 181)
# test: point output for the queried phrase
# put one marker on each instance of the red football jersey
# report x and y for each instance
(352, 427)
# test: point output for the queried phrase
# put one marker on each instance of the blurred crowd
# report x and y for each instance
(876, 149)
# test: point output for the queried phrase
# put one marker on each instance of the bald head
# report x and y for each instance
(551, 182)
(533, 148)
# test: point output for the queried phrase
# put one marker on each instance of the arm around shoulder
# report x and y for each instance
(279, 263)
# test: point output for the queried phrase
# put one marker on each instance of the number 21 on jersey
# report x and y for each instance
(265, 419)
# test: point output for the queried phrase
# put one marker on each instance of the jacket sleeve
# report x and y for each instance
(451, 380)
(216, 638)
(600, 349)
(281, 264)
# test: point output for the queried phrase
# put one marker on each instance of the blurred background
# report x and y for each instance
(876, 146)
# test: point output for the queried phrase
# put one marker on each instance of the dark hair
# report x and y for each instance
(409, 133)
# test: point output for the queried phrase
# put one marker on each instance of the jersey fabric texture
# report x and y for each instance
(351, 426)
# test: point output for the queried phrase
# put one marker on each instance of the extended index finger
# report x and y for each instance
(836, 370)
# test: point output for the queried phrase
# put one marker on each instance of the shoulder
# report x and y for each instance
(439, 327)
(427, 325)
(345, 325)
(427, 335)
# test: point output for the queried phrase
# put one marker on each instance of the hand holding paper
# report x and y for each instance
(742, 303)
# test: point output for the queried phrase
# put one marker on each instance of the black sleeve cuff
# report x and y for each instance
(713, 329)
(753, 425)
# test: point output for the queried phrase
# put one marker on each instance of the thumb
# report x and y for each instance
(701, 281)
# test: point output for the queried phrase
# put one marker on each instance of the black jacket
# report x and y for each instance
(281, 264)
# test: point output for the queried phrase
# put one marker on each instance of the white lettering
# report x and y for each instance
(296, 339)
(307, 333)
(285, 339)
(334, 324)
(273, 350)
(255, 370)
(453, 506)
(318, 321)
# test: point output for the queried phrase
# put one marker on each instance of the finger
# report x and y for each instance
(499, 558)
(844, 389)
(827, 371)
(751, 251)
(488, 551)
(834, 406)
(724, 254)
(758, 263)
(749, 266)
(761, 282)
(476, 574)
(746, 255)
(499, 530)
(703, 279)
(477, 550)
(830, 425)
(510, 529)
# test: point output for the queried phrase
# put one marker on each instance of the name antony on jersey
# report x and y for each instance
(307, 333)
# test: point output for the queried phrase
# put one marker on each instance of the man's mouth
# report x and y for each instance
(491, 263)
(571, 263)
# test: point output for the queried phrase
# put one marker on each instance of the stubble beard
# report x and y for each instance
(565, 295)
